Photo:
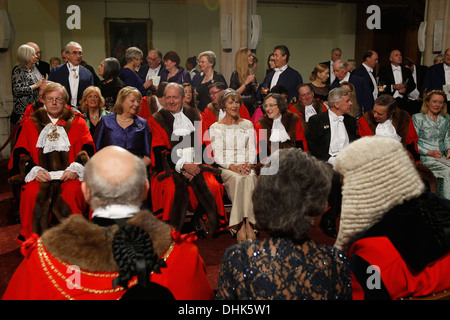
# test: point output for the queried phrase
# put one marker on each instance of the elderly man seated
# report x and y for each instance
(52, 139)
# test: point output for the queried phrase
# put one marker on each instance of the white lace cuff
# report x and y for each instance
(77, 168)
(179, 165)
(33, 173)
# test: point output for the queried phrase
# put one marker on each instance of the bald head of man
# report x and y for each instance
(114, 176)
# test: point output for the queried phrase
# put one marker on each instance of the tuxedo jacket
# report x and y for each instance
(318, 134)
(364, 95)
(60, 74)
(387, 76)
(289, 78)
(421, 71)
(144, 69)
(43, 67)
(434, 78)
(364, 74)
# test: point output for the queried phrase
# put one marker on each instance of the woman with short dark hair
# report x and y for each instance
(291, 192)
(173, 71)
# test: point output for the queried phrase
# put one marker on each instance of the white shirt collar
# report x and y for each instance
(369, 69)
(282, 68)
(116, 211)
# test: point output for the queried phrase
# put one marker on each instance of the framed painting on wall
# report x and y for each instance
(120, 34)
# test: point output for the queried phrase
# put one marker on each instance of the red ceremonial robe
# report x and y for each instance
(79, 136)
(44, 274)
(163, 192)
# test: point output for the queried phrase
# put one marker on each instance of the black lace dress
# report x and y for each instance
(279, 269)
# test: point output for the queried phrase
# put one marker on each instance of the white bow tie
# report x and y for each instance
(339, 118)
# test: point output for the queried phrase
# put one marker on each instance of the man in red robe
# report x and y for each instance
(386, 119)
(52, 137)
(176, 150)
(99, 260)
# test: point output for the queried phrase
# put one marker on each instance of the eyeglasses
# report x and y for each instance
(152, 60)
(57, 100)
(77, 53)
(270, 105)
(213, 93)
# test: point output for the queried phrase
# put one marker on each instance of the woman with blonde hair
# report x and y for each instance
(206, 77)
(432, 124)
(92, 106)
(243, 78)
(124, 128)
(319, 78)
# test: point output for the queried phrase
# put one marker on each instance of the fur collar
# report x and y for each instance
(41, 119)
(289, 121)
(400, 121)
(77, 241)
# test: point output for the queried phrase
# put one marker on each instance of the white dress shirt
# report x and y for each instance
(375, 87)
(276, 75)
(152, 72)
(339, 136)
(414, 95)
(447, 74)
(74, 80)
(397, 71)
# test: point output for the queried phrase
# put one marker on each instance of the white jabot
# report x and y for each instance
(53, 138)
(116, 211)
(386, 129)
(276, 75)
(309, 112)
(182, 126)
(339, 136)
(279, 133)
(222, 114)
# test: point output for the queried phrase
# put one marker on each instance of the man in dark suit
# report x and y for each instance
(335, 55)
(367, 71)
(363, 91)
(437, 75)
(42, 66)
(397, 79)
(154, 67)
(327, 134)
(282, 75)
(72, 75)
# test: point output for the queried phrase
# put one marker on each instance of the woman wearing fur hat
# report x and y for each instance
(433, 128)
(53, 137)
(394, 233)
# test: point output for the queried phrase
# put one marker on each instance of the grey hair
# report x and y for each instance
(104, 193)
(336, 95)
(341, 63)
(176, 85)
(285, 203)
(210, 55)
(133, 53)
(24, 55)
(71, 43)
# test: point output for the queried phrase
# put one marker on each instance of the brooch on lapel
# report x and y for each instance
(326, 126)
(139, 125)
